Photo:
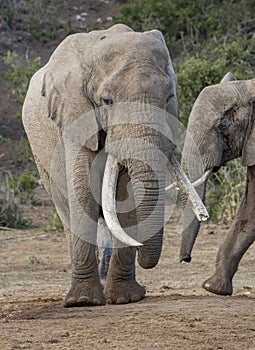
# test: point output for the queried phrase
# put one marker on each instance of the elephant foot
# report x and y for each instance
(218, 285)
(118, 291)
(84, 293)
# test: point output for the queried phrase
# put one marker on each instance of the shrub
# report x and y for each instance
(208, 67)
(225, 191)
(33, 16)
(55, 224)
(23, 186)
(19, 73)
(11, 214)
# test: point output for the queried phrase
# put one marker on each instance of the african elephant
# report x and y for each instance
(101, 118)
(220, 128)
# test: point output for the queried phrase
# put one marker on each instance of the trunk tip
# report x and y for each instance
(186, 258)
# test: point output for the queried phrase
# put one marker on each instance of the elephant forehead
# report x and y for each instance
(131, 46)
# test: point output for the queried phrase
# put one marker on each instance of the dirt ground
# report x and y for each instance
(176, 313)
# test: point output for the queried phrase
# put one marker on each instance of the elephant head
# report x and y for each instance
(220, 128)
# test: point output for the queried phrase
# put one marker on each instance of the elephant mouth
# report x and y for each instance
(109, 188)
(215, 169)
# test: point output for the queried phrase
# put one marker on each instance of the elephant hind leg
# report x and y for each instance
(218, 285)
(238, 240)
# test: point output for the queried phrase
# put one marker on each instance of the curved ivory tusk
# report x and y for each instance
(195, 184)
(187, 189)
(109, 205)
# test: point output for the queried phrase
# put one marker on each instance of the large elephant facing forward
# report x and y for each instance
(221, 127)
(101, 114)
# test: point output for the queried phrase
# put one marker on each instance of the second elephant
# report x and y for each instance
(221, 127)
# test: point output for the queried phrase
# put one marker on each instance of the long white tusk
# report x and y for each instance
(109, 203)
(195, 184)
(186, 188)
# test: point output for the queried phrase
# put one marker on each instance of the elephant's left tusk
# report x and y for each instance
(109, 203)
(187, 189)
(195, 184)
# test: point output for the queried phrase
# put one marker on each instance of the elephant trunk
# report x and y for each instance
(149, 192)
(143, 150)
(148, 185)
(191, 228)
(194, 166)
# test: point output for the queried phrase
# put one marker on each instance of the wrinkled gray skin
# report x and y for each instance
(221, 127)
(86, 72)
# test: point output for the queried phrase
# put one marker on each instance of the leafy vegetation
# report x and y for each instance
(23, 186)
(206, 38)
(19, 74)
(55, 224)
(11, 214)
(225, 192)
(33, 16)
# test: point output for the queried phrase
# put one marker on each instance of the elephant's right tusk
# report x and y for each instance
(187, 190)
(195, 184)
(109, 203)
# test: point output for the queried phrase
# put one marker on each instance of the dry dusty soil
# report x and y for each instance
(176, 313)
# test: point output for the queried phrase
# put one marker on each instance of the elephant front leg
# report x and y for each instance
(85, 287)
(238, 240)
(83, 190)
(121, 286)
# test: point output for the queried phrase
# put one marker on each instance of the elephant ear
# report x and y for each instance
(249, 144)
(64, 92)
(248, 154)
(173, 103)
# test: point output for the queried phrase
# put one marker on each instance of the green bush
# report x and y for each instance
(208, 67)
(206, 40)
(225, 191)
(55, 224)
(23, 186)
(33, 16)
(11, 214)
(19, 73)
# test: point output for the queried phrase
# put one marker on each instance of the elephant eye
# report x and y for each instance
(107, 101)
